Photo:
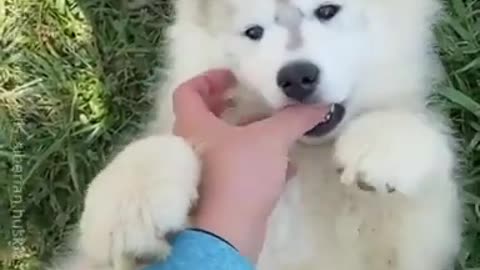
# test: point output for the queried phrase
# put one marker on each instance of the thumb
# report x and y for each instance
(290, 124)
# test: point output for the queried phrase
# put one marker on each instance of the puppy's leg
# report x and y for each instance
(406, 155)
(144, 193)
(394, 151)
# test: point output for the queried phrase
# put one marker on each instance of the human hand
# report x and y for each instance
(244, 167)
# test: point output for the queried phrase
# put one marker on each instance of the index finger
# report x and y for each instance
(196, 98)
(290, 124)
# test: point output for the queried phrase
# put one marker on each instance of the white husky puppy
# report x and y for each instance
(376, 186)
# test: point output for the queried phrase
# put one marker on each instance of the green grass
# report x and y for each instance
(459, 38)
(74, 85)
(74, 81)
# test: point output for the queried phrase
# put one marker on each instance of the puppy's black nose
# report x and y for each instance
(298, 80)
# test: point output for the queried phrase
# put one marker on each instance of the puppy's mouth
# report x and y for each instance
(329, 122)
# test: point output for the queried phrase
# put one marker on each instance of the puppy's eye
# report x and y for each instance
(255, 32)
(327, 12)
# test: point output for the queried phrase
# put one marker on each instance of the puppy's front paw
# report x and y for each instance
(390, 151)
(143, 194)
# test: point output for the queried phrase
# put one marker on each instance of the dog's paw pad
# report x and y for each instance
(390, 188)
(363, 185)
(371, 186)
(364, 182)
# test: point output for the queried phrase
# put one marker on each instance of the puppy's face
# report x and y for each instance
(307, 51)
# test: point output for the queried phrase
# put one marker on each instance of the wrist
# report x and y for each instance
(243, 232)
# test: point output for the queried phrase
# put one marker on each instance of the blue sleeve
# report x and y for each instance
(195, 249)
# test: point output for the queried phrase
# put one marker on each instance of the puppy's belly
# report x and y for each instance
(321, 224)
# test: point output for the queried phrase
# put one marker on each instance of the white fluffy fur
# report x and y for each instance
(376, 57)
